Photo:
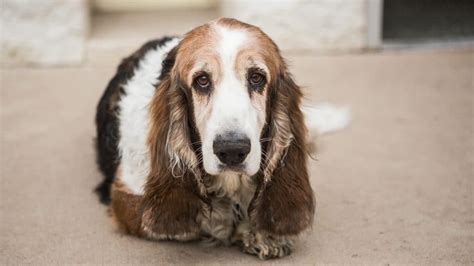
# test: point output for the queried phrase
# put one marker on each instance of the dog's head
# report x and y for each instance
(228, 73)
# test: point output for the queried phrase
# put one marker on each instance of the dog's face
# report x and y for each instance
(227, 70)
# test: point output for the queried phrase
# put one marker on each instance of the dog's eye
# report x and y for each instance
(256, 79)
(202, 82)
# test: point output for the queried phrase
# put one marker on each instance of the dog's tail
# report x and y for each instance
(325, 118)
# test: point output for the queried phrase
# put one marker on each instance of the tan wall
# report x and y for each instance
(148, 5)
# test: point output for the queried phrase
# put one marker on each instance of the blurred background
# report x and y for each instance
(55, 32)
(396, 186)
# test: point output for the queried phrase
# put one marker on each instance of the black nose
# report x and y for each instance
(231, 149)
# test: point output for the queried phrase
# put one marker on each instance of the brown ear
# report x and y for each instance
(173, 195)
(284, 203)
(171, 207)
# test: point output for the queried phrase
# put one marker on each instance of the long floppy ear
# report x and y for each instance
(174, 193)
(284, 203)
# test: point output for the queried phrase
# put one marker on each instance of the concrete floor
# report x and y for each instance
(394, 187)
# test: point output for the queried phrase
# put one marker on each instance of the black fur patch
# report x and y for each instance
(107, 117)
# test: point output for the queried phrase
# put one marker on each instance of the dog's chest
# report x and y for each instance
(230, 195)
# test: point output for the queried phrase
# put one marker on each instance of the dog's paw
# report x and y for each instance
(266, 247)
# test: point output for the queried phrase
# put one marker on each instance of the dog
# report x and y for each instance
(202, 137)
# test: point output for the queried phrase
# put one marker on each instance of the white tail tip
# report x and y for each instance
(325, 118)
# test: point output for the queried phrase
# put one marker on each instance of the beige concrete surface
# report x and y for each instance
(396, 186)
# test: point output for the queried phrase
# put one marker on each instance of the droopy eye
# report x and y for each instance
(202, 82)
(256, 79)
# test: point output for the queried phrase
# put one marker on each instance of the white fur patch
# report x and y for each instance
(232, 107)
(325, 118)
(134, 117)
(230, 42)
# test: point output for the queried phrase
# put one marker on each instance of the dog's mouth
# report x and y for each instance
(240, 168)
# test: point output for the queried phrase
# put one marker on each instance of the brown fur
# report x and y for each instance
(284, 201)
(171, 204)
(125, 209)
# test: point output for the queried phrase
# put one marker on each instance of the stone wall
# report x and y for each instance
(301, 25)
(46, 32)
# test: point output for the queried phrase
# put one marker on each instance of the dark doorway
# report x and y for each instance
(427, 20)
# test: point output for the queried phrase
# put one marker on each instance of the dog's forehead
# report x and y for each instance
(229, 41)
(225, 43)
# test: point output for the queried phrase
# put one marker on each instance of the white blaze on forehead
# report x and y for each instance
(231, 101)
(230, 41)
